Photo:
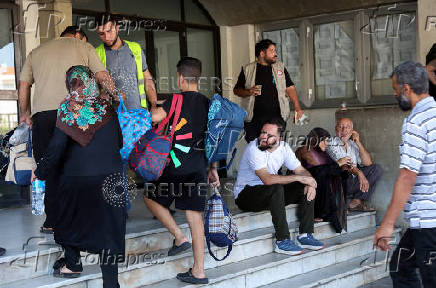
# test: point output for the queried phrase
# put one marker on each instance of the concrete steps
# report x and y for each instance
(385, 282)
(36, 260)
(153, 265)
(272, 267)
(353, 273)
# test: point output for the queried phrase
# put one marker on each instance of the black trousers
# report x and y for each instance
(275, 198)
(108, 265)
(43, 127)
(417, 249)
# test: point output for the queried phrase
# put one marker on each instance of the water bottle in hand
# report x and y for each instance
(38, 191)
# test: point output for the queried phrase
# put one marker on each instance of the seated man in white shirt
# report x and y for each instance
(258, 187)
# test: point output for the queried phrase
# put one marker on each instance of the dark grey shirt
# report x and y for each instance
(122, 67)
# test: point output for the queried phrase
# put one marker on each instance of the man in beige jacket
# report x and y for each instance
(266, 87)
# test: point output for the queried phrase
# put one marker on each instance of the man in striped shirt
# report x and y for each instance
(415, 187)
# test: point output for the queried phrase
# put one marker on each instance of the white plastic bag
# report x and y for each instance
(20, 136)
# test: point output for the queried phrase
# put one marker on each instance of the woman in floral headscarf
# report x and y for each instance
(85, 146)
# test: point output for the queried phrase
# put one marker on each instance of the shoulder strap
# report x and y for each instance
(165, 121)
(177, 114)
(229, 249)
(121, 107)
(231, 159)
(29, 144)
(176, 108)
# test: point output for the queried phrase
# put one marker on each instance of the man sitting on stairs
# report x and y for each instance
(258, 187)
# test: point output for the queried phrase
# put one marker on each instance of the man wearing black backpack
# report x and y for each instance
(184, 179)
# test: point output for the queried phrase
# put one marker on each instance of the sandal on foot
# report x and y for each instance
(179, 249)
(58, 274)
(59, 263)
(46, 230)
(66, 275)
(189, 278)
(361, 208)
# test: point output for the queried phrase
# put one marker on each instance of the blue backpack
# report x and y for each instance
(133, 123)
(219, 226)
(225, 123)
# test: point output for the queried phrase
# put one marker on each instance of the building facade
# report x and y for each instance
(339, 54)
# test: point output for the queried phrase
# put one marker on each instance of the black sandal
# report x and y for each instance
(59, 263)
(58, 274)
(174, 250)
(46, 230)
(189, 278)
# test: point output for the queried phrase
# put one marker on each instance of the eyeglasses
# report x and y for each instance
(262, 133)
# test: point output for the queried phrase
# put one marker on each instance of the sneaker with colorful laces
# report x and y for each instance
(288, 247)
(309, 242)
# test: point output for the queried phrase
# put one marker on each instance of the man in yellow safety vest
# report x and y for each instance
(126, 63)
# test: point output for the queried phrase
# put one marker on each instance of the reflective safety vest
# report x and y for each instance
(136, 51)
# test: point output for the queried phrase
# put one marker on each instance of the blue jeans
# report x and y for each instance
(417, 249)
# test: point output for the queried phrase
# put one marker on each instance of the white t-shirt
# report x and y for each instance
(253, 159)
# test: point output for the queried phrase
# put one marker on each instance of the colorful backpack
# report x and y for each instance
(151, 153)
(219, 226)
(225, 123)
(134, 123)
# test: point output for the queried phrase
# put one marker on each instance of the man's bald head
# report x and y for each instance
(344, 128)
(343, 121)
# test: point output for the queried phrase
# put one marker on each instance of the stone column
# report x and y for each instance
(41, 21)
(237, 49)
(54, 17)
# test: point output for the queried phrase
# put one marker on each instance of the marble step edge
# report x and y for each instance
(93, 273)
(335, 273)
(355, 241)
(261, 234)
(237, 217)
(34, 251)
(251, 238)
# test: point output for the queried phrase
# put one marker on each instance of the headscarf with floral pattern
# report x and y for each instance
(82, 112)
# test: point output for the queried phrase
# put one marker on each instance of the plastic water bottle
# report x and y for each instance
(38, 191)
